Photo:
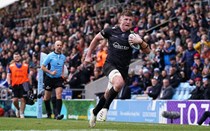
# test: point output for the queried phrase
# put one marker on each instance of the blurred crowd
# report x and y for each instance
(176, 30)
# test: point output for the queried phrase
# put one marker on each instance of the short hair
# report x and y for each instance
(16, 53)
(127, 13)
(166, 79)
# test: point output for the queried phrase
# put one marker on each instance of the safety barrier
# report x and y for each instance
(130, 110)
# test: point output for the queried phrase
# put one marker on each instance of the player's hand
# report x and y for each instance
(135, 39)
(53, 72)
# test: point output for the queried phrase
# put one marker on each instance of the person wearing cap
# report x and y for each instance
(197, 62)
(156, 75)
(195, 74)
(197, 93)
(145, 82)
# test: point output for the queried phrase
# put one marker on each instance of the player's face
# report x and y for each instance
(58, 46)
(16, 58)
(126, 23)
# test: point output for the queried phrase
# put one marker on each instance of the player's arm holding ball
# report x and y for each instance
(136, 42)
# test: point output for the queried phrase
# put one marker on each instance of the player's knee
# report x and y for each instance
(14, 100)
(23, 100)
(118, 83)
(58, 95)
(47, 97)
(58, 92)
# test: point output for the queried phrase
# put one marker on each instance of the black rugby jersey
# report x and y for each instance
(119, 50)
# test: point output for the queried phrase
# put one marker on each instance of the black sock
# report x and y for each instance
(58, 105)
(112, 94)
(204, 117)
(53, 100)
(99, 106)
(48, 107)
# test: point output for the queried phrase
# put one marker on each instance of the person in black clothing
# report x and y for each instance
(175, 64)
(146, 79)
(206, 88)
(117, 61)
(155, 89)
(157, 75)
(174, 77)
(198, 92)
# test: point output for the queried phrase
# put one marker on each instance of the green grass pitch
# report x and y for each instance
(82, 125)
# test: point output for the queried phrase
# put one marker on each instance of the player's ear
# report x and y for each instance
(119, 21)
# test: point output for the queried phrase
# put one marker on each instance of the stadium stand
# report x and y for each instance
(183, 91)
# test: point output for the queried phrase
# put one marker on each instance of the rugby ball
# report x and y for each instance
(135, 46)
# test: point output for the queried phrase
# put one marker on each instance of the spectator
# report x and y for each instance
(164, 74)
(154, 90)
(206, 88)
(167, 91)
(188, 58)
(205, 73)
(74, 58)
(194, 75)
(174, 77)
(101, 56)
(194, 30)
(133, 82)
(198, 63)
(96, 75)
(197, 93)
(169, 51)
(201, 45)
(145, 81)
(74, 82)
(157, 75)
(206, 63)
(3, 81)
(175, 64)
(5, 92)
